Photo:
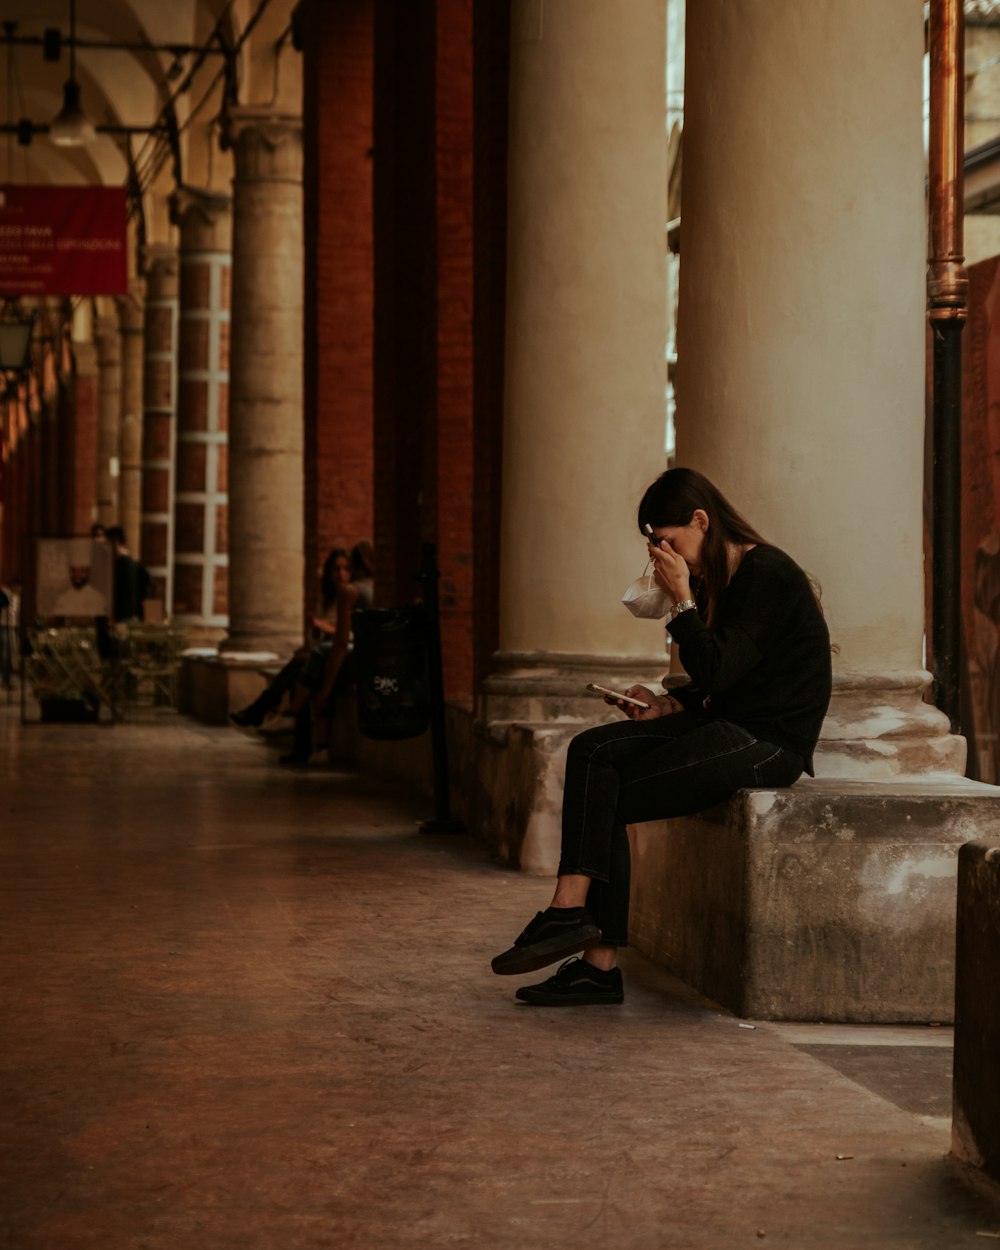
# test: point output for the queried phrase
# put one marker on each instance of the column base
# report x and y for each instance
(527, 713)
(235, 643)
(879, 727)
(826, 901)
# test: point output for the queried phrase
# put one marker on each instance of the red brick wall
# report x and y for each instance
(455, 391)
(405, 260)
(405, 294)
(338, 51)
(491, 42)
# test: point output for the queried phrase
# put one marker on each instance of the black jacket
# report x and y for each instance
(765, 663)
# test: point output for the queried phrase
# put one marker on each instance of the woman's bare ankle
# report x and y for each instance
(603, 957)
(571, 891)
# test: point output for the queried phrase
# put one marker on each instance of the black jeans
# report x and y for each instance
(343, 683)
(631, 771)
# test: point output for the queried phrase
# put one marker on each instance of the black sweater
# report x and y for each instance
(765, 664)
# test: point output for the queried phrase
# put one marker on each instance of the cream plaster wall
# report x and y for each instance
(801, 347)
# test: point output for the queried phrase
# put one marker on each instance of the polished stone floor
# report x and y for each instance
(252, 1010)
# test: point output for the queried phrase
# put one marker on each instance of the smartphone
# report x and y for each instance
(616, 694)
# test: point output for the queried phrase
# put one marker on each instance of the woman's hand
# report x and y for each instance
(670, 571)
(637, 713)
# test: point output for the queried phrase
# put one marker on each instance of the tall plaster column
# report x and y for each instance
(159, 415)
(584, 417)
(130, 315)
(801, 339)
(200, 594)
(109, 418)
(266, 418)
(586, 315)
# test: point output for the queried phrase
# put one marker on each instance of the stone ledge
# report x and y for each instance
(831, 900)
(211, 685)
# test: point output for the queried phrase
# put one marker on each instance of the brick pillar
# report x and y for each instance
(455, 391)
(36, 463)
(80, 448)
(200, 599)
(9, 469)
(159, 416)
(13, 514)
(130, 315)
(265, 429)
(109, 418)
(338, 55)
(49, 395)
(18, 494)
(48, 430)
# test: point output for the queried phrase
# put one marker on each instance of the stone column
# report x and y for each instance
(51, 437)
(801, 393)
(130, 315)
(585, 378)
(266, 420)
(801, 341)
(159, 415)
(81, 446)
(109, 418)
(200, 523)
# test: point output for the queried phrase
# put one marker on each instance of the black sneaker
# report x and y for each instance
(250, 717)
(294, 760)
(576, 984)
(551, 936)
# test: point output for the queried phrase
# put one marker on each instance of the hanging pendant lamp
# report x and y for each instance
(71, 127)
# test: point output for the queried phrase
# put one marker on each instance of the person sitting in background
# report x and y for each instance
(331, 670)
(336, 572)
(132, 583)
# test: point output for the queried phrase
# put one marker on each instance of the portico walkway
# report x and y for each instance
(248, 1010)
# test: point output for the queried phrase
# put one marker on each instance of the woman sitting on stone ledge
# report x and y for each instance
(753, 640)
(330, 672)
(336, 572)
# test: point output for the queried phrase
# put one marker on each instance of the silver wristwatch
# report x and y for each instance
(685, 605)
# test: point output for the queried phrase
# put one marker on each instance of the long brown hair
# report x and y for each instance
(673, 499)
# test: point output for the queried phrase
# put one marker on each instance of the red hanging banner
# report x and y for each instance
(63, 241)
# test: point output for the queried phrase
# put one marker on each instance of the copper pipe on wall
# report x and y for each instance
(947, 310)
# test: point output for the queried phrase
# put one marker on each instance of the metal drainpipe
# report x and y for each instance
(947, 310)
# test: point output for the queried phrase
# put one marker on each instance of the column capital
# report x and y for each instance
(85, 359)
(203, 218)
(131, 306)
(106, 337)
(158, 259)
(267, 146)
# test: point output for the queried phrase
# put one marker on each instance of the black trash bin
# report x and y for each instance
(390, 649)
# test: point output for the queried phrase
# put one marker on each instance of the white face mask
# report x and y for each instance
(645, 599)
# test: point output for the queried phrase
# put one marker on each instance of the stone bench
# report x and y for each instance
(976, 1118)
(832, 900)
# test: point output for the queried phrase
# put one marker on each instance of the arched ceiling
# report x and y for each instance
(131, 87)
